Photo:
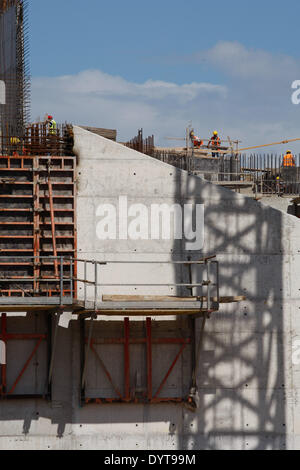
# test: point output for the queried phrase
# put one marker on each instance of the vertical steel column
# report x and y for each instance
(61, 280)
(96, 286)
(53, 347)
(149, 357)
(52, 216)
(86, 358)
(3, 337)
(49, 354)
(85, 282)
(218, 282)
(82, 359)
(71, 279)
(36, 224)
(75, 268)
(208, 284)
(126, 359)
(199, 351)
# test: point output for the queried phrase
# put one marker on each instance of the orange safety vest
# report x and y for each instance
(215, 142)
(288, 160)
(197, 142)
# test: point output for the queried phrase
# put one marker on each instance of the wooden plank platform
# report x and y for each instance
(162, 298)
(121, 306)
(240, 184)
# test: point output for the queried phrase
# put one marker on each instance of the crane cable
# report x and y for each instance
(266, 145)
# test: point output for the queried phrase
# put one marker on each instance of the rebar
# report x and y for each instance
(14, 70)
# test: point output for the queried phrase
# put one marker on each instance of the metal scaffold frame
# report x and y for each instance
(8, 392)
(94, 305)
(128, 395)
(37, 221)
(15, 70)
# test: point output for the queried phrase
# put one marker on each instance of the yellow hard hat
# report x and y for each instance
(288, 151)
(215, 132)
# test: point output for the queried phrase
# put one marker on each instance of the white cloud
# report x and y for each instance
(96, 98)
(254, 106)
(240, 62)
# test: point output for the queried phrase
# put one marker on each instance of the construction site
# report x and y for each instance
(149, 295)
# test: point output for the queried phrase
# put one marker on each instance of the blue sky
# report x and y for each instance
(226, 65)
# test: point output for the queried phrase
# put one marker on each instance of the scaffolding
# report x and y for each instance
(37, 221)
(14, 70)
(91, 302)
(41, 273)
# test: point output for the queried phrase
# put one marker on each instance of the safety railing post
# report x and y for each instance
(208, 284)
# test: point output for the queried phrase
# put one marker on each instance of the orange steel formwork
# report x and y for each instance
(9, 392)
(38, 246)
(127, 395)
(38, 219)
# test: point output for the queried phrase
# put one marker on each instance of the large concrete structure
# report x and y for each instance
(248, 384)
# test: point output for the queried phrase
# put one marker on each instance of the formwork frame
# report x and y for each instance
(66, 299)
(38, 219)
(38, 339)
(151, 396)
(204, 307)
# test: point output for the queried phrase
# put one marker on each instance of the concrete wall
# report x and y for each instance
(282, 203)
(248, 385)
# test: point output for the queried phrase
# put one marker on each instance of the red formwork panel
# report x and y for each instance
(37, 221)
(124, 392)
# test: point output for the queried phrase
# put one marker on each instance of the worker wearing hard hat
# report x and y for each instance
(289, 160)
(215, 143)
(52, 126)
(197, 142)
(52, 134)
(15, 145)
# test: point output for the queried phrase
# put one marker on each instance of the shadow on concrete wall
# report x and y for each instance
(241, 382)
(242, 377)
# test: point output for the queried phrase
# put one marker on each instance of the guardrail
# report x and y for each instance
(284, 182)
(207, 283)
(66, 283)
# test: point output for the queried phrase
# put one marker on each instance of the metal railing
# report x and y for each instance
(65, 285)
(284, 182)
(33, 263)
(36, 140)
(207, 283)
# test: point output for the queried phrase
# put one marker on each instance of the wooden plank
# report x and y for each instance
(233, 183)
(165, 298)
(146, 298)
(142, 313)
(110, 134)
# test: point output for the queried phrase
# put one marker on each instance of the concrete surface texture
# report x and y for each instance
(283, 203)
(248, 378)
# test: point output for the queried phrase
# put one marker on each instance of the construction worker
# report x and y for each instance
(215, 143)
(52, 135)
(197, 142)
(15, 144)
(52, 126)
(288, 160)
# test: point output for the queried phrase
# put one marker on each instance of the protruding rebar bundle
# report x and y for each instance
(14, 71)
